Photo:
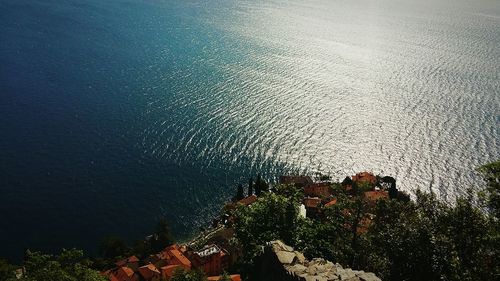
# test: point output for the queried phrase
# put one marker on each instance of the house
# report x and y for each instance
(299, 181)
(312, 205)
(168, 271)
(126, 274)
(331, 203)
(365, 177)
(373, 196)
(212, 260)
(302, 211)
(149, 272)
(320, 189)
(248, 200)
(132, 262)
(171, 255)
(234, 277)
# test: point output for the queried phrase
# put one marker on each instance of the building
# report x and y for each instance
(171, 255)
(299, 181)
(132, 262)
(149, 272)
(331, 203)
(365, 177)
(373, 196)
(312, 202)
(302, 211)
(125, 274)
(248, 200)
(168, 271)
(321, 189)
(312, 205)
(212, 260)
(234, 277)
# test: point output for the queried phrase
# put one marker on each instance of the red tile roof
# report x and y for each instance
(149, 271)
(376, 195)
(133, 259)
(321, 189)
(312, 202)
(234, 277)
(180, 258)
(125, 274)
(168, 271)
(364, 177)
(124, 262)
(248, 200)
(331, 203)
(297, 180)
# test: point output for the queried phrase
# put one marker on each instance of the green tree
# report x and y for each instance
(113, 247)
(69, 265)
(271, 217)
(491, 174)
(192, 275)
(290, 191)
(250, 187)
(468, 228)
(239, 193)
(260, 185)
(6, 270)
(162, 237)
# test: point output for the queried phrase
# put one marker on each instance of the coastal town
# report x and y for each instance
(303, 228)
(212, 253)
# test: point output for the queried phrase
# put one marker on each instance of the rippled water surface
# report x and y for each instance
(115, 113)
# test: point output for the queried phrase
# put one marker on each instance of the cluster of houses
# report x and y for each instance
(318, 195)
(211, 259)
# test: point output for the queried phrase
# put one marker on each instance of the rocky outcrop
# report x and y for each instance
(282, 262)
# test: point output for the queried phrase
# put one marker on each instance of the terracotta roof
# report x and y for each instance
(376, 195)
(318, 189)
(179, 257)
(133, 259)
(297, 180)
(125, 274)
(113, 278)
(364, 177)
(148, 271)
(234, 277)
(331, 203)
(168, 271)
(124, 262)
(312, 202)
(248, 200)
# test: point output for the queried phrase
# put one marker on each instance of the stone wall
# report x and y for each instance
(280, 262)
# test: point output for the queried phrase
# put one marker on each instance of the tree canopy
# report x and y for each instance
(398, 239)
(69, 265)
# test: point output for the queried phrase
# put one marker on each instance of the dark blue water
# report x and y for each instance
(116, 113)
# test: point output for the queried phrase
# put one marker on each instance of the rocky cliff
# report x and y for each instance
(280, 262)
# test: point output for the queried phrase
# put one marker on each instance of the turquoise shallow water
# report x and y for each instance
(115, 113)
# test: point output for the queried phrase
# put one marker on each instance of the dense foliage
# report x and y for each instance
(192, 275)
(423, 239)
(398, 239)
(115, 248)
(69, 265)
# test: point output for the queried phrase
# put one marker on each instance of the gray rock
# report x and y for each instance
(300, 257)
(369, 276)
(298, 268)
(285, 257)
